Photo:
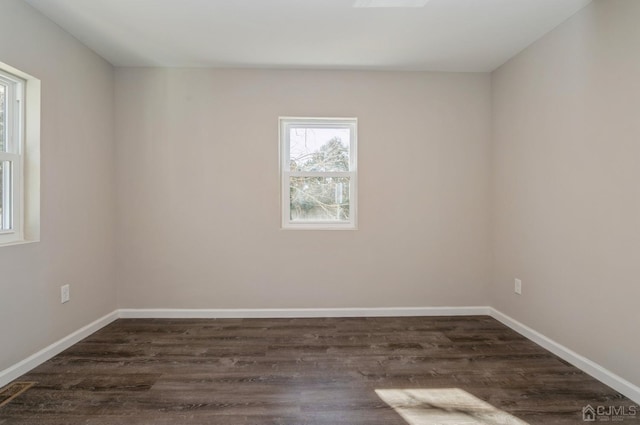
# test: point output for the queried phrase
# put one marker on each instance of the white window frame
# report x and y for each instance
(14, 191)
(285, 174)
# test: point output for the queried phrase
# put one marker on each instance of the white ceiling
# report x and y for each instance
(445, 35)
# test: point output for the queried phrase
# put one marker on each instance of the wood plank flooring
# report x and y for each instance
(303, 371)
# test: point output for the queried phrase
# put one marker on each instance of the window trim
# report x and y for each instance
(285, 173)
(15, 155)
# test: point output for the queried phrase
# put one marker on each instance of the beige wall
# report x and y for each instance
(77, 183)
(566, 173)
(198, 190)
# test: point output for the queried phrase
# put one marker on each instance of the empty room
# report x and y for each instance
(291, 212)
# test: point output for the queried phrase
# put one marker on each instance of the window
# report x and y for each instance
(319, 173)
(12, 91)
(19, 156)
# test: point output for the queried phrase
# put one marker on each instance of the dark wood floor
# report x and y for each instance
(307, 371)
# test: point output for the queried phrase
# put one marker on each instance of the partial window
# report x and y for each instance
(12, 90)
(319, 173)
(19, 156)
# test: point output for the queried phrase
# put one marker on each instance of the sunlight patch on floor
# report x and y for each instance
(444, 406)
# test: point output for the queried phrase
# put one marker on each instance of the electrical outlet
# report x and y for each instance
(518, 287)
(64, 294)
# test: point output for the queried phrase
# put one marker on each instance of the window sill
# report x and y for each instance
(20, 242)
(318, 227)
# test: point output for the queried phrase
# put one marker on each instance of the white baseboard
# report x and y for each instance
(9, 374)
(603, 375)
(600, 373)
(300, 312)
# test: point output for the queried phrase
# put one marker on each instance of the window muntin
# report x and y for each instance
(319, 178)
(11, 157)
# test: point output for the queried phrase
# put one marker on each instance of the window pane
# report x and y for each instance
(319, 198)
(3, 118)
(319, 149)
(5, 195)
